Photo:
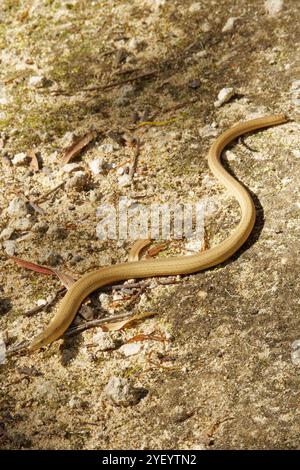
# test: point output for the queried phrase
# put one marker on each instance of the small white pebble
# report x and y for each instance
(132, 43)
(228, 26)
(4, 101)
(194, 245)
(9, 247)
(105, 301)
(230, 155)
(195, 7)
(208, 131)
(22, 224)
(2, 351)
(296, 153)
(37, 81)
(6, 233)
(70, 167)
(273, 7)
(124, 181)
(205, 27)
(103, 341)
(295, 354)
(20, 159)
(121, 392)
(130, 349)
(120, 171)
(67, 139)
(224, 96)
(106, 148)
(17, 207)
(96, 166)
(202, 294)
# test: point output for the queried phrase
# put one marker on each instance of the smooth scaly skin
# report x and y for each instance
(174, 265)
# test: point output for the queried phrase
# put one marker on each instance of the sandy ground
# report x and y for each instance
(222, 371)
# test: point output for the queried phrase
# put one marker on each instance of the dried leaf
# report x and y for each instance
(120, 325)
(32, 266)
(74, 149)
(66, 279)
(156, 249)
(34, 163)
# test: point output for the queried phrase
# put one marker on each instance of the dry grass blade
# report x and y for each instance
(65, 278)
(115, 323)
(73, 150)
(126, 323)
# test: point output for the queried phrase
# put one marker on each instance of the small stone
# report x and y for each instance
(201, 54)
(17, 207)
(133, 43)
(74, 402)
(202, 294)
(104, 341)
(24, 224)
(124, 181)
(295, 354)
(224, 96)
(10, 247)
(230, 156)
(120, 171)
(96, 166)
(70, 167)
(95, 195)
(130, 349)
(195, 7)
(194, 245)
(105, 302)
(68, 139)
(106, 148)
(46, 389)
(2, 351)
(296, 153)
(205, 27)
(121, 392)
(40, 227)
(78, 182)
(6, 233)
(194, 84)
(20, 159)
(208, 131)
(4, 101)
(86, 312)
(37, 81)
(228, 26)
(273, 7)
